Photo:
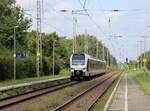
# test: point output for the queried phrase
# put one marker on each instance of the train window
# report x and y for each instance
(78, 59)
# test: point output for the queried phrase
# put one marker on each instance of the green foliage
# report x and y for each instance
(11, 16)
(26, 67)
(6, 68)
(31, 42)
(144, 81)
(147, 59)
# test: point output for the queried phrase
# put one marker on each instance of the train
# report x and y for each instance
(83, 66)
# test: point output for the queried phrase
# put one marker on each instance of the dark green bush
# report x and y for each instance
(26, 67)
(148, 65)
(6, 68)
(48, 66)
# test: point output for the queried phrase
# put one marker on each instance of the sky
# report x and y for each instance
(130, 22)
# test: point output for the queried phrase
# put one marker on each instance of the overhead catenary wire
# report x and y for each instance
(92, 20)
(46, 23)
(84, 3)
(109, 25)
(89, 16)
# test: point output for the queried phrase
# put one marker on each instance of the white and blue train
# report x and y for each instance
(83, 66)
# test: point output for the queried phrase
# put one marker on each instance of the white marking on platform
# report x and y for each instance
(126, 94)
(112, 94)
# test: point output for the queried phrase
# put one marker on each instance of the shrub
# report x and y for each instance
(26, 67)
(6, 68)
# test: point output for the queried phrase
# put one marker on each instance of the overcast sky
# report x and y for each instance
(130, 22)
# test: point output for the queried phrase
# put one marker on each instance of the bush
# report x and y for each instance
(6, 68)
(48, 66)
(148, 64)
(26, 67)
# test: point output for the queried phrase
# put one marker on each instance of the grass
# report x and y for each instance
(54, 102)
(143, 80)
(99, 106)
(58, 99)
(19, 81)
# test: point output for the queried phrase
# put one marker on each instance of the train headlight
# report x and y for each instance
(84, 69)
(72, 69)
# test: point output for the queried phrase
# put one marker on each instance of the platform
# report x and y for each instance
(2, 89)
(129, 96)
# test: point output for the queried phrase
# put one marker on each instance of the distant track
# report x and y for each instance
(21, 98)
(85, 100)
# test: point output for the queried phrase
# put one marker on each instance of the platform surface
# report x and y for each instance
(129, 96)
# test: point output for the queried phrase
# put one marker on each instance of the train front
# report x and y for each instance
(78, 66)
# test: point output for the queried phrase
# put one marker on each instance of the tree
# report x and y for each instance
(10, 16)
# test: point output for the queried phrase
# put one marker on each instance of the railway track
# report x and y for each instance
(20, 98)
(85, 100)
(27, 96)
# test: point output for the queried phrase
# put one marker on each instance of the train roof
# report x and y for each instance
(90, 57)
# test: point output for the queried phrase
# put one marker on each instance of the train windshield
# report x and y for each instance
(78, 59)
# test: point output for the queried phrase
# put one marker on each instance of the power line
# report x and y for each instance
(45, 23)
(99, 27)
(84, 3)
(109, 24)
(92, 20)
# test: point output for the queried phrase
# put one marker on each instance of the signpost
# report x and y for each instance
(20, 55)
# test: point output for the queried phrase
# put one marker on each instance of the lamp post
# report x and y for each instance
(54, 58)
(74, 33)
(15, 52)
(74, 12)
(103, 52)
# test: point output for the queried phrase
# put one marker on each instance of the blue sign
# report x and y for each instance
(20, 55)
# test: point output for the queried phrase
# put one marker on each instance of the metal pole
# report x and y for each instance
(107, 58)
(53, 58)
(96, 49)
(103, 52)
(85, 45)
(86, 42)
(74, 33)
(39, 40)
(14, 53)
(144, 54)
